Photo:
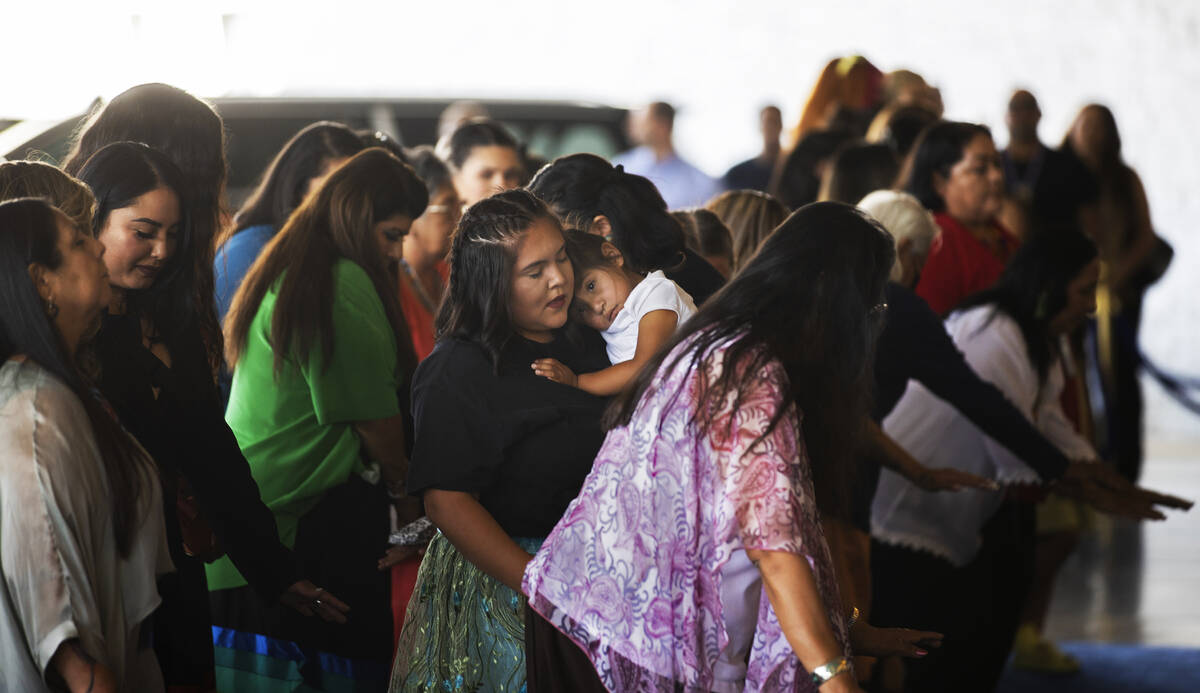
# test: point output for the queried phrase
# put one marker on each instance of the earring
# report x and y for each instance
(51, 308)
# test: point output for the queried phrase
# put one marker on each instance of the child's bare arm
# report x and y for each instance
(654, 329)
(602, 383)
(553, 369)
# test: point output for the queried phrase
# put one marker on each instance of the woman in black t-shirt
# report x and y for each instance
(499, 452)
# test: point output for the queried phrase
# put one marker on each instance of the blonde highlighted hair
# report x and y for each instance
(751, 216)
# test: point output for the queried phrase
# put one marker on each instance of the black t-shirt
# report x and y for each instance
(521, 442)
(1054, 184)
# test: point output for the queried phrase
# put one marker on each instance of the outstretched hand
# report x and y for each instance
(1113, 502)
(869, 641)
(1107, 477)
(949, 479)
(310, 600)
(556, 371)
(1102, 488)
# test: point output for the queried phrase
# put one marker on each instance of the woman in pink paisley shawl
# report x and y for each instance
(704, 497)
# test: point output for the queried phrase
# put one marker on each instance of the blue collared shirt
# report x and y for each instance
(681, 184)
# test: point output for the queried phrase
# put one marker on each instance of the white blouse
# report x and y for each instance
(948, 524)
(62, 575)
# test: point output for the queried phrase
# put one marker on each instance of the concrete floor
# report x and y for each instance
(1138, 583)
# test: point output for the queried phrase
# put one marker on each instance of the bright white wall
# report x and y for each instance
(719, 61)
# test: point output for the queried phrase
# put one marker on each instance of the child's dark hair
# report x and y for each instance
(586, 251)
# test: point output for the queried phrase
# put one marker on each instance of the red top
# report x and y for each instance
(960, 264)
(416, 315)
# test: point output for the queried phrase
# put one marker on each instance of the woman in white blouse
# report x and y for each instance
(82, 539)
(961, 563)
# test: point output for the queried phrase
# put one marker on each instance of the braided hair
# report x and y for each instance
(476, 307)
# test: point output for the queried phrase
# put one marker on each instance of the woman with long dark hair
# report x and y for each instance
(955, 172)
(192, 136)
(708, 485)
(155, 371)
(320, 351)
(499, 450)
(80, 515)
(962, 563)
(1133, 258)
(298, 169)
(592, 195)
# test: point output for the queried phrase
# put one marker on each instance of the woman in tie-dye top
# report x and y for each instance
(707, 487)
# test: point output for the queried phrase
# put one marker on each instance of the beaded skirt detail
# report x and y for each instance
(464, 630)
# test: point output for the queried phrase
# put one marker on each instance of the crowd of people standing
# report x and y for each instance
(429, 420)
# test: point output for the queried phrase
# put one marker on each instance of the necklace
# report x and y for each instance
(422, 295)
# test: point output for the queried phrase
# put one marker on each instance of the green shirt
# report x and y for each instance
(296, 430)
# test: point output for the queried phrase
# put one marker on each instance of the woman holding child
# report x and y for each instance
(706, 488)
(499, 451)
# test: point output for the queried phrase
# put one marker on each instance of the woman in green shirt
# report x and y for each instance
(320, 349)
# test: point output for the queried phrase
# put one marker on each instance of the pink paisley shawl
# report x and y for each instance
(632, 572)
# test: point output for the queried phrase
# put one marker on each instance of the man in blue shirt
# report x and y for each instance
(681, 184)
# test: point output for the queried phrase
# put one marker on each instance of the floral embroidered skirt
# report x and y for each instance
(464, 631)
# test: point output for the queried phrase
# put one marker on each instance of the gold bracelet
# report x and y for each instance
(830, 669)
(853, 617)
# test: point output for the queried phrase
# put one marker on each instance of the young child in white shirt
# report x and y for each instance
(635, 314)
